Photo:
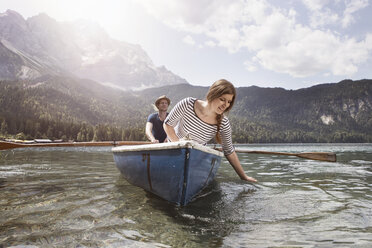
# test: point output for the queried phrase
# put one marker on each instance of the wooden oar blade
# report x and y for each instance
(322, 156)
(8, 145)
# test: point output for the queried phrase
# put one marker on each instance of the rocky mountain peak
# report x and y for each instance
(12, 25)
(12, 15)
(82, 48)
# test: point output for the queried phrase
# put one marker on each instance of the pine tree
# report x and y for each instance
(4, 128)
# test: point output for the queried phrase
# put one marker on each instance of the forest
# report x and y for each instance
(81, 110)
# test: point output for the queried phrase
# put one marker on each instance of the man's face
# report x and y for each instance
(163, 105)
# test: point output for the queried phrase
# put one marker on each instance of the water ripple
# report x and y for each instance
(75, 197)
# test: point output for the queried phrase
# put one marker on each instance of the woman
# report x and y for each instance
(202, 120)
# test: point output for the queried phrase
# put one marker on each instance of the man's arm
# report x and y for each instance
(149, 135)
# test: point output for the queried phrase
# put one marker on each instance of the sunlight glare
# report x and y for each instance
(117, 17)
(98, 11)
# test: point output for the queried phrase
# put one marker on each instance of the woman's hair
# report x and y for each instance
(219, 88)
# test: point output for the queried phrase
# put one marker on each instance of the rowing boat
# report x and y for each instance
(176, 171)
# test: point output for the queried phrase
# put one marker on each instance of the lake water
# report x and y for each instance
(76, 197)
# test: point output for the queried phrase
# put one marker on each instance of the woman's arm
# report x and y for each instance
(235, 163)
(174, 117)
(171, 134)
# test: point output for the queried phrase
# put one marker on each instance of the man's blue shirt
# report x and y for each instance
(157, 127)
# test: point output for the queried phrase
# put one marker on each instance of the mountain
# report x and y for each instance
(340, 112)
(54, 77)
(41, 46)
(335, 112)
(81, 109)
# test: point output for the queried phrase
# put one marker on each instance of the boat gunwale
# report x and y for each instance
(167, 146)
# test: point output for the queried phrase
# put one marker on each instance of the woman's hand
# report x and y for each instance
(249, 179)
(235, 163)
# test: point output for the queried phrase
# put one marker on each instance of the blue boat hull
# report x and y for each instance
(176, 174)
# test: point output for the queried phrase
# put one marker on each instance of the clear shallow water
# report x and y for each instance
(75, 197)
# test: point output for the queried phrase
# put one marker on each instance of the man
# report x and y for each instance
(154, 126)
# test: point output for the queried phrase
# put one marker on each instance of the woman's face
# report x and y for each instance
(220, 104)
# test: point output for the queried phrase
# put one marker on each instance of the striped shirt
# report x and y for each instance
(185, 121)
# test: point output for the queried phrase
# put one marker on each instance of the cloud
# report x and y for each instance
(183, 15)
(315, 5)
(189, 40)
(276, 38)
(352, 6)
(250, 66)
(323, 17)
(323, 12)
(311, 52)
(210, 43)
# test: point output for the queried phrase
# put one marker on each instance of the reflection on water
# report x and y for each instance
(75, 197)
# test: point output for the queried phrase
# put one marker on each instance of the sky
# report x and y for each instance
(268, 43)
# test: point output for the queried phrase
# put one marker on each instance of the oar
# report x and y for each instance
(322, 156)
(4, 145)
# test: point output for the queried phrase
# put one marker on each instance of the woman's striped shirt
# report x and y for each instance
(185, 121)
